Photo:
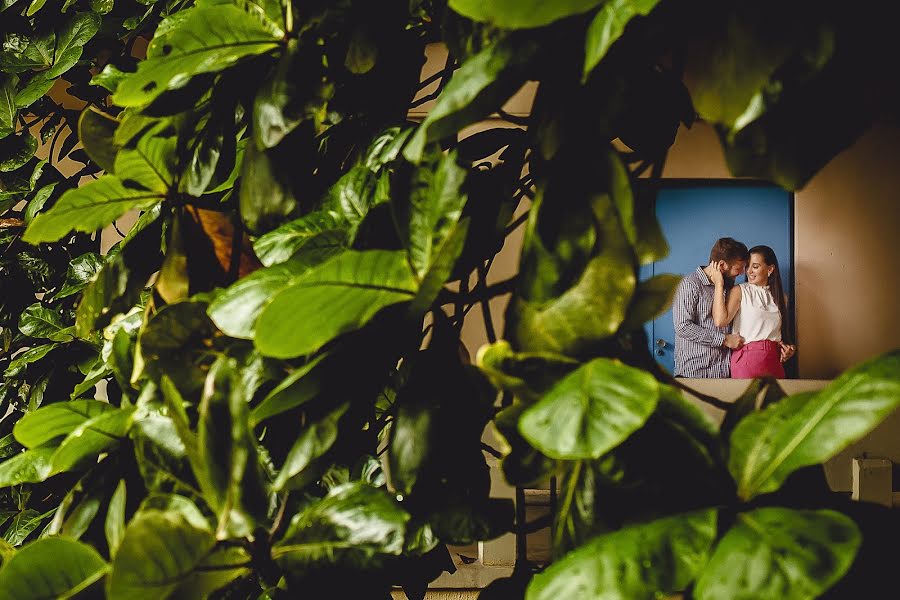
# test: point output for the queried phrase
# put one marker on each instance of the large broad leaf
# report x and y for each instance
(338, 296)
(59, 419)
(527, 374)
(651, 298)
(231, 477)
(431, 209)
(780, 553)
(649, 560)
(314, 441)
(16, 151)
(150, 164)
(222, 566)
(297, 388)
(174, 547)
(30, 466)
(356, 525)
(95, 131)
(70, 40)
(608, 25)
(591, 411)
(89, 208)
(93, 437)
(38, 321)
(318, 234)
(809, 428)
(50, 568)
(479, 87)
(236, 309)
(23, 524)
(515, 14)
(206, 40)
(81, 271)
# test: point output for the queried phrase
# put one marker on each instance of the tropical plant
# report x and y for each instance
(261, 389)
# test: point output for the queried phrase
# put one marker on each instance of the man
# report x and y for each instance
(701, 348)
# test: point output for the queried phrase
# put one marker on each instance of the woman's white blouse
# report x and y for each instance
(758, 318)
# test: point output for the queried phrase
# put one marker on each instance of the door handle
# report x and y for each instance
(662, 343)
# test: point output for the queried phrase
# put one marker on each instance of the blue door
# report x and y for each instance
(694, 214)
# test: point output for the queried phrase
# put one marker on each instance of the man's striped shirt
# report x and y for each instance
(698, 342)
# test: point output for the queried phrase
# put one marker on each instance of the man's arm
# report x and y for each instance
(686, 321)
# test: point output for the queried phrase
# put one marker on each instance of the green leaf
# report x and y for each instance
(50, 568)
(809, 428)
(780, 553)
(651, 298)
(608, 25)
(38, 321)
(23, 524)
(39, 85)
(8, 109)
(441, 267)
(517, 14)
(318, 235)
(30, 466)
(55, 420)
(93, 437)
(353, 196)
(432, 209)
(89, 208)
(114, 525)
(81, 271)
(355, 525)
(207, 39)
(70, 41)
(117, 287)
(336, 297)
(266, 196)
(109, 78)
(175, 547)
(314, 440)
(150, 164)
(95, 131)
(26, 358)
(16, 150)
(529, 375)
(648, 560)
(231, 478)
(591, 411)
(214, 573)
(297, 388)
(479, 87)
(236, 309)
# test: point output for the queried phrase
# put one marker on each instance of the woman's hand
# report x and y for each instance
(787, 351)
(716, 276)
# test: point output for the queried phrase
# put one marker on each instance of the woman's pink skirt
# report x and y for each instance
(757, 359)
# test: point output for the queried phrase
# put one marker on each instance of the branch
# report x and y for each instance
(481, 292)
(514, 119)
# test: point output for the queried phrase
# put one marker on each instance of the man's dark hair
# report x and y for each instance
(729, 250)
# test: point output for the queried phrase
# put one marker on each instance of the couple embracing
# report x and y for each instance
(726, 330)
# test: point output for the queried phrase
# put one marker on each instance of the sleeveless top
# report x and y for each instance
(758, 318)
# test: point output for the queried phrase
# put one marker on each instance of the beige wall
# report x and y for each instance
(847, 220)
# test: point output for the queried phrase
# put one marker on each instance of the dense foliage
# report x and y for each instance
(261, 390)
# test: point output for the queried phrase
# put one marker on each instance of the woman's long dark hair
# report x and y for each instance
(775, 284)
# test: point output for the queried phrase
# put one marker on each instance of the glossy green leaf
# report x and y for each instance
(8, 109)
(38, 321)
(149, 165)
(651, 298)
(231, 477)
(608, 25)
(236, 309)
(16, 150)
(297, 388)
(89, 208)
(96, 131)
(26, 358)
(108, 78)
(36, 87)
(336, 297)
(114, 525)
(222, 566)
(314, 440)
(24, 524)
(809, 428)
(30, 466)
(442, 262)
(93, 437)
(355, 525)
(207, 39)
(81, 271)
(318, 235)
(529, 375)
(54, 567)
(590, 411)
(479, 87)
(55, 420)
(513, 14)
(647, 560)
(176, 546)
(70, 41)
(780, 553)
(432, 208)
(353, 195)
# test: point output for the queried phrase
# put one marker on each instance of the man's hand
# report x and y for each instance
(733, 341)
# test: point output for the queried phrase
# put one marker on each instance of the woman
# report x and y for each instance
(757, 308)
